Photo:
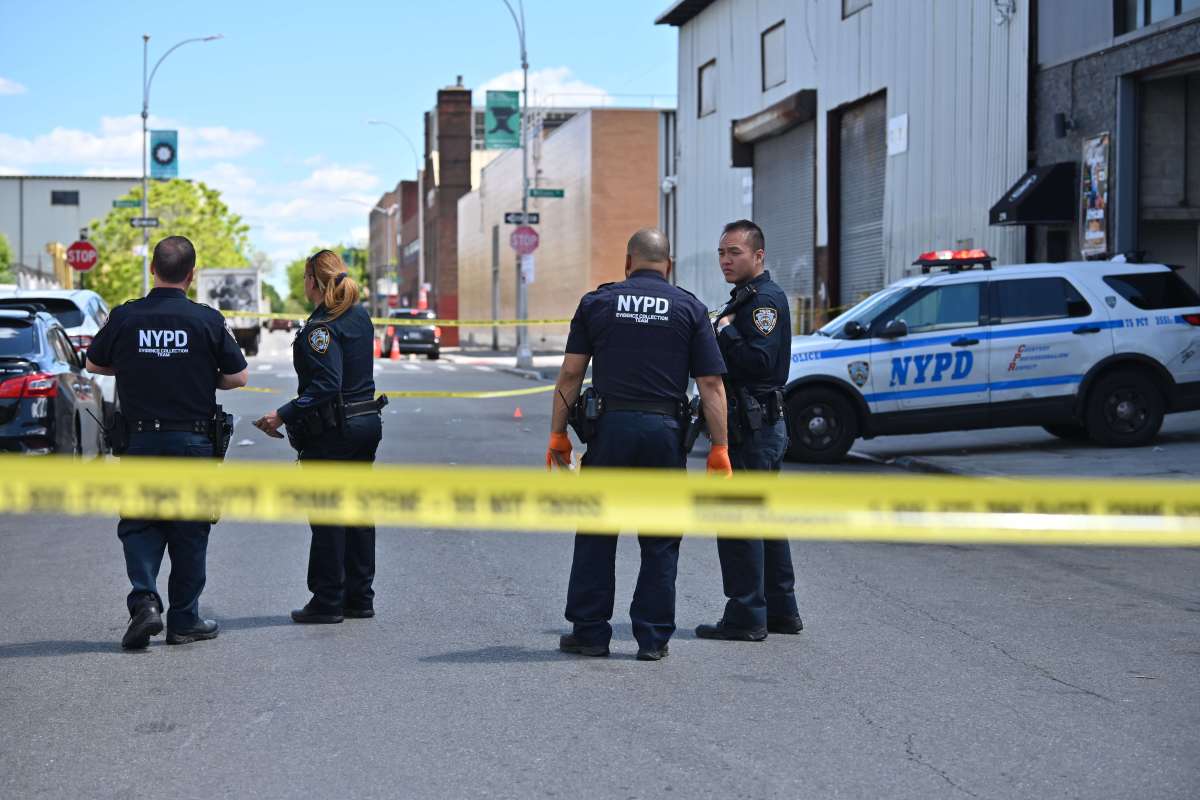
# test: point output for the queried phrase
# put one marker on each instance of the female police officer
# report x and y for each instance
(335, 418)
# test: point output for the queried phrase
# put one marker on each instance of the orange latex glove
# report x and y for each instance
(558, 453)
(718, 461)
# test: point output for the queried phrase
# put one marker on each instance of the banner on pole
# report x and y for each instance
(164, 154)
(502, 121)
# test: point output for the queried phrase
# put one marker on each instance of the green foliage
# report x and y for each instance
(272, 295)
(183, 209)
(356, 264)
(6, 275)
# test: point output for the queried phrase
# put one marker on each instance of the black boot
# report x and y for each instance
(785, 624)
(316, 616)
(729, 633)
(646, 654)
(145, 621)
(569, 644)
(205, 629)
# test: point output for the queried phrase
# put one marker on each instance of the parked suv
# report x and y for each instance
(82, 313)
(1099, 350)
(48, 403)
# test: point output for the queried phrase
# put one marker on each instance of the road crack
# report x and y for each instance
(1048, 675)
(912, 755)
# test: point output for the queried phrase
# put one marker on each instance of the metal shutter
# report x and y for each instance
(863, 167)
(784, 186)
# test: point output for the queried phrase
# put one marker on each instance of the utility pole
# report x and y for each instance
(524, 354)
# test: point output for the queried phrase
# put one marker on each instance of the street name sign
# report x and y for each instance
(524, 240)
(82, 256)
(127, 203)
(144, 222)
(522, 218)
(546, 192)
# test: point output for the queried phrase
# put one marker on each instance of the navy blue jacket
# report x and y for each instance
(646, 337)
(168, 352)
(332, 357)
(757, 346)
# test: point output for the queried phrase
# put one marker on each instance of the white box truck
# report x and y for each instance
(233, 290)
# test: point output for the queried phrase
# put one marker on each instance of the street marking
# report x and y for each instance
(447, 367)
(482, 368)
(930, 509)
(411, 367)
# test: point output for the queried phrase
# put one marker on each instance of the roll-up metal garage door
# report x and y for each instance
(863, 153)
(784, 186)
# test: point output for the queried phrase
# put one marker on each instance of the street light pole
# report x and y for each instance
(394, 208)
(524, 354)
(420, 205)
(146, 81)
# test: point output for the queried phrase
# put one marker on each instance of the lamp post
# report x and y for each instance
(524, 354)
(420, 175)
(146, 81)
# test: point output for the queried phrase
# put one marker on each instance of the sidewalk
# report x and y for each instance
(1032, 451)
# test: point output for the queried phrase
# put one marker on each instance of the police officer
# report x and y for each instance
(646, 337)
(754, 332)
(335, 418)
(169, 356)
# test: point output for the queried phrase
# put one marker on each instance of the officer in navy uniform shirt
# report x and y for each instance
(755, 339)
(169, 355)
(646, 337)
(335, 417)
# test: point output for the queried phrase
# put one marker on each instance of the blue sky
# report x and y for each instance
(275, 113)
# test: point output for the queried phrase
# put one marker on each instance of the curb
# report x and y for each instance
(909, 463)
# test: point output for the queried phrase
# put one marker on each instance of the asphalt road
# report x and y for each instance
(923, 672)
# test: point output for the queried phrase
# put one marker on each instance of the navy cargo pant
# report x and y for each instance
(757, 574)
(341, 558)
(627, 439)
(145, 540)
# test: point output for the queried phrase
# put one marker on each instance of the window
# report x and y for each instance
(942, 308)
(774, 56)
(61, 346)
(65, 311)
(16, 338)
(61, 198)
(851, 7)
(708, 88)
(1154, 290)
(1037, 299)
(1133, 14)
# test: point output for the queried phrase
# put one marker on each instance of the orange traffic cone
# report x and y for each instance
(395, 354)
(517, 414)
(378, 347)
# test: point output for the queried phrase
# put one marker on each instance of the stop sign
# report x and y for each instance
(524, 240)
(82, 256)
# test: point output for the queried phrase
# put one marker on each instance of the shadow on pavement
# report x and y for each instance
(499, 654)
(247, 623)
(57, 648)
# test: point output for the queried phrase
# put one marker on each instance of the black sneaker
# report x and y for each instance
(206, 629)
(144, 622)
(358, 613)
(569, 644)
(310, 616)
(729, 633)
(785, 624)
(653, 655)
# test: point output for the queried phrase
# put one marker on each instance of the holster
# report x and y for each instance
(752, 414)
(314, 422)
(693, 424)
(220, 431)
(584, 414)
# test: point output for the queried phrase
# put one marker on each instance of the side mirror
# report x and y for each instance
(853, 330)
(894, 329)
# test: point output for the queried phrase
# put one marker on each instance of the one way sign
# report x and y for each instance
(520, 218)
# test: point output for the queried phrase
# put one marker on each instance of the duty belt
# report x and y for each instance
(364, 407)
(668, 408)
(200, 426)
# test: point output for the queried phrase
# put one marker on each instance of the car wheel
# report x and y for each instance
(434, 356)
(821, 426)
(1071, 433)
(1124, 409)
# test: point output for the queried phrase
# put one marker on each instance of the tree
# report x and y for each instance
(272, 295)
(183, 209)
(6, 275)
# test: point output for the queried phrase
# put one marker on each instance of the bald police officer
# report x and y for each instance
(169, 355)
(754, 331)
(644, 338)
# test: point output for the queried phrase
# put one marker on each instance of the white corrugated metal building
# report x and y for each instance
(857, 133)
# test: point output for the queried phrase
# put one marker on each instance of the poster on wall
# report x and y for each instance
(1094, 241)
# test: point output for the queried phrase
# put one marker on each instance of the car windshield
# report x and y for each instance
(69, 314)
(16, 338)
(865, 312)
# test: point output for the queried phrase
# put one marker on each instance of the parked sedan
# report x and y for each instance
(82, 313)
(48, 402)
(410, 338)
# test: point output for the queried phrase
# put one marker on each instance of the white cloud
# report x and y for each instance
(8, 86)
(359, 235)
(552, 86)
(5, 169)
(337, 179)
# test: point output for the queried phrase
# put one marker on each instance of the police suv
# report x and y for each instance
(1099, 350)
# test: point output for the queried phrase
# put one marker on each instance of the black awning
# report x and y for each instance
(1044, 196)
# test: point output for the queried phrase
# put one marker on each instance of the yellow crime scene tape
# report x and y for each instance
(398, 321)
(924, 509)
